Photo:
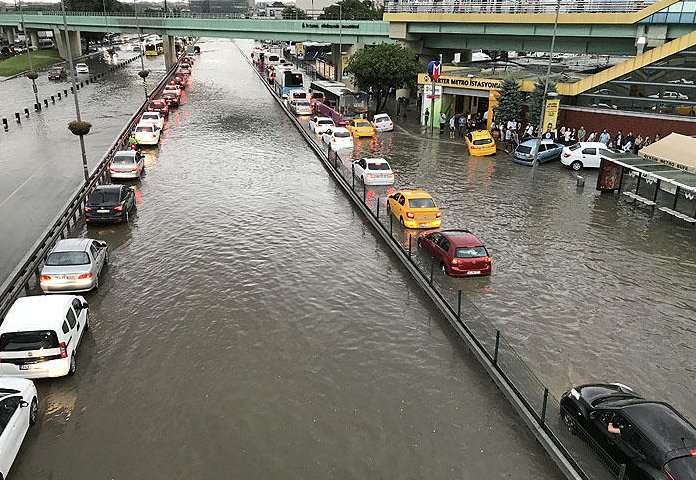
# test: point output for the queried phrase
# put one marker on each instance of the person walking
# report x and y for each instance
(426, 115)
(566, 137)
(604, 137)
(581, 134)
(461, 123)
(618, 140)
(592, 137)
(452, 126)
(443, 122)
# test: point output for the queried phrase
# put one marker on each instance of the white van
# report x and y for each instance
(583, 155)
(40, 335)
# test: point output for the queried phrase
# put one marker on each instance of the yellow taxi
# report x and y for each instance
(480, 143)
(414, 209)
(359, 127)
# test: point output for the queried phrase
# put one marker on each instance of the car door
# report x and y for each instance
(543, 153)
(431, 241)
(11, 432)
(80, 319)
(589, 157)
(394, 204)
(441, 249)
(313, 124)
(360, 167)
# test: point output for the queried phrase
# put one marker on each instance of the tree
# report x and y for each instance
(97, 6)
(510, 102)
(536, 100)
(294, 13)
(352, 10)
(383, 67)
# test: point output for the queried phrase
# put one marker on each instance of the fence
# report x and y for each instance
(515, 6)
(575, 452)
(20, 280)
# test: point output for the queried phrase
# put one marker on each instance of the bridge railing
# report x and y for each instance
(313, 15)
(515, 6)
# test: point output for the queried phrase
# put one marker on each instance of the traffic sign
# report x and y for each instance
(434, 70)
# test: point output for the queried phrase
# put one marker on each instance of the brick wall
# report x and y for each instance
(642, 124)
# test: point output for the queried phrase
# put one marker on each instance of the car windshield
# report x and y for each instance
(683, 468)
(297, 95)
(104, 197)
(524, 149)
(482, 141)
(144, 128)
(421, 203)
(67, 259)
(471, 252)
(318, 95)
(378, 166)
(342, 134)
(150, 116)
(381, 119)
(362, 124)
(325, 122)
(23, 341)
(575, 147)
(123, 160)
(302, 103)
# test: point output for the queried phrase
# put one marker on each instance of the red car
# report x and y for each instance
(460, 252)
(180, 79)
(171, 98)
(159, 106)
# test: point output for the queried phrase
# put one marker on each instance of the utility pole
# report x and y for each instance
(339, 70)
(32, 74)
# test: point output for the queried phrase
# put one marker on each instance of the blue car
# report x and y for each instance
(548, 152)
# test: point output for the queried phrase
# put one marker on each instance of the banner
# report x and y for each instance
(551, 113)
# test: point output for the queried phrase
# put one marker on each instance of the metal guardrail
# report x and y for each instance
(313, 14)
(20, 280)
(515, 6)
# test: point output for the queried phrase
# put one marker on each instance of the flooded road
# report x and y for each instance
(250, 325)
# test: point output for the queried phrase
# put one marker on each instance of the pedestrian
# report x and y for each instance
(566, 137)
(581, 134)
(133, 141)
(443, 122)
(406, 102)
(427, 116)
(592, 137)
(619, 139)
(629, 142)
(452, 126)
(462, 125)
(508, 139)
(605, 137)
(529, 131)
(657, 138)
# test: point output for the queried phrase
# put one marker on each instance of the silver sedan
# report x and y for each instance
(74, 265)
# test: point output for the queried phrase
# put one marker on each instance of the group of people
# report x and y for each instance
(620, 141)
(458, 124)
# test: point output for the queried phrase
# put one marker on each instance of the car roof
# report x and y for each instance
(72, 245)
(531, 142)
(381, 115)
(110, 187)
(462, 238)
(375, 160)
(37, 312)
(144, 124)
(666, 428)
(339, 129)
(480, 133)
(126, 153)
(324, 118)
(415, 193)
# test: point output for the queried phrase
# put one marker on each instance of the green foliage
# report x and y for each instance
(536, 100)
(294, 13)
(510, 102)
(352, 10)
(383, 67)
(97, 6)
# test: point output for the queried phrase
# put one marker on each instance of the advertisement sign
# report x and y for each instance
(428, 90)
(609, 179)
(553, 105)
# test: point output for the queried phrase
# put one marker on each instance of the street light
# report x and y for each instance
(546, 86)
(31, 75)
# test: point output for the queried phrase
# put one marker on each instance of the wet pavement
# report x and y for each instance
(41, 162)
(251, 325)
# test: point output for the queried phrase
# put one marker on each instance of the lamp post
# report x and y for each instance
(31, 74)
(546, 85)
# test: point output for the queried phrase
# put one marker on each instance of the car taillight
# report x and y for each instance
(438, 214)
(118, 208)
(63, 350)
(45, 278)
(530, 156)
(88, 209)
(566, 154)
(370, 175)
(84, 276)
(154, 135)
(410, 215)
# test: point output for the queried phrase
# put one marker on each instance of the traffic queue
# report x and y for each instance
(40, 335)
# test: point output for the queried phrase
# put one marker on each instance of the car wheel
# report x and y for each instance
(33, 412)
(576, 165)
(569, 422)
(73, 366)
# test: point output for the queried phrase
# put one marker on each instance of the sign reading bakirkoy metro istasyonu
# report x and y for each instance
(462, 82)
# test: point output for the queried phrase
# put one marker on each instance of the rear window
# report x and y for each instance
(682, 468)
(325, 122)
(341, 134)
(302, 103)
(67, 258)
(151, 116)
(421, 203)
(273, 58)
(23, 341)
(362, 124)
(144, 129)
(482, 141)
(299, 95)
(317, 95)
(575, 147)
(123, 160)
(381, 119)
(378, 166)
(471, 252)
(524, 149)
(104, 197)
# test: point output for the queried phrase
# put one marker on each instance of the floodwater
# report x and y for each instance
(250, 325)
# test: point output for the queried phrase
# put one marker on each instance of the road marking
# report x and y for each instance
(16, 190)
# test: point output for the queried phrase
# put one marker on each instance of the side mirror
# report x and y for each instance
(23, 404)
(85, 305)
(594, 415)
(102, 244)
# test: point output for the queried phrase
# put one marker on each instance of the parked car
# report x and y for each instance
(180, 80)
(373, 171)
(74, 266)
(604, 91)
(321, 124)
(40, 335)
(171, 98)
(651, 438)
(583, 155)
(109, 203)
(670, 95)
(359, 127)
(337, 138)
(414, 209)
(548, 152)
(19, 410)
(682, 81)
(459, 252)
(81, 68)
(153, 118)
(57, 73)
(300, 107)
(127, 164)
(147, 134)
(382, 122)
(480, 143)
(160, 106)
(297, 95)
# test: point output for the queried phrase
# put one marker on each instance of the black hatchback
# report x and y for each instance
(651, 438)
(110, 203)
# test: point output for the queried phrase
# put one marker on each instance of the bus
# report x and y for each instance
(288, 79)
(339, 102)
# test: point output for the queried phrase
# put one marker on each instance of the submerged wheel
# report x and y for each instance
(576, 165)
(33, 411)
(73, 366)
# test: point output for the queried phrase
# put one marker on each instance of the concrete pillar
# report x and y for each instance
(10, 34)
(75, 44)
(34, 38)
(169, 43)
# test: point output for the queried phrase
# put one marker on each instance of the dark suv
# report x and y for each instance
(110, 203)
(651, 438)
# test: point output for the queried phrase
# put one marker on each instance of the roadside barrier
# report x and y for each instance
(575, 453)
(26, 274)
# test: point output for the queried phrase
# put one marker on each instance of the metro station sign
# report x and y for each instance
(474, 83)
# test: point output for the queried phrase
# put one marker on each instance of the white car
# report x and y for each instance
(670, 96)
(682, 81)
(154, 118)
(297, 95)
(373, 171)
(19, 410)
(81, 68)
(337, 138)
(382, 122)
(583, 155)
(40, 335)
(319, 125)
(127, 164)
(147, 134)
(301, 107)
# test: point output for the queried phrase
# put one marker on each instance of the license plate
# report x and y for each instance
(474, 272)
(102, 211)
(24, 367)
(423, 224)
